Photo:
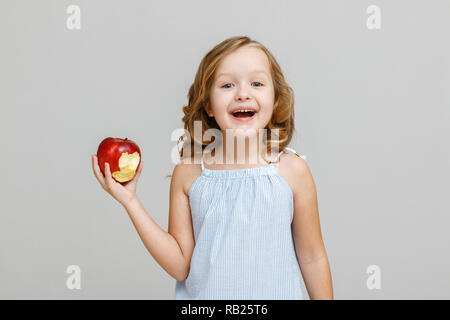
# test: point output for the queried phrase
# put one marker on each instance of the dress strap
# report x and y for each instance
(203, 167)
(291, 151)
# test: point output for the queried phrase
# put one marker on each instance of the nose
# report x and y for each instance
(242, 94)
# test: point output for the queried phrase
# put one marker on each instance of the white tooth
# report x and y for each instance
(244, 110)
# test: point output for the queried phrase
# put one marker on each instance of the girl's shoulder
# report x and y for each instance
(292, 167)
(185, 173)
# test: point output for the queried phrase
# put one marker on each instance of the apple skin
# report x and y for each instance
(118, 151)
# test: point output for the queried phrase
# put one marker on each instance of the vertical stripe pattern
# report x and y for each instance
(244, 247)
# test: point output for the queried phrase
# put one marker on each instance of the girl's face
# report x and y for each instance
(242, 81)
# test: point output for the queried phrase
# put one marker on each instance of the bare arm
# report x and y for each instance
(173, 249)
(309, 246)
(162, 245)
(317, 278)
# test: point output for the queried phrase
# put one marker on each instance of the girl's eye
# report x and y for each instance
(224, 86)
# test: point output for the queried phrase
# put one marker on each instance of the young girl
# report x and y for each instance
(236, 230)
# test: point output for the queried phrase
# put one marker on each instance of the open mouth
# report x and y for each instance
(244, 115)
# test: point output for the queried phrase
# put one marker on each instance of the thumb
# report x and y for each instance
(140, 168)
(138, 172)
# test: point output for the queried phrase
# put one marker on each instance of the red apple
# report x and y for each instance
(122, 155)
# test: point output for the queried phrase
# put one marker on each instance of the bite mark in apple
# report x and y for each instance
(128, 164)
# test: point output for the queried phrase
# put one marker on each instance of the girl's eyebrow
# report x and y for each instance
(254, 71)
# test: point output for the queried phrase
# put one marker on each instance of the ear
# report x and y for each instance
(207, 109)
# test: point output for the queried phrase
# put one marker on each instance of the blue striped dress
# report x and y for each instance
(244, 248)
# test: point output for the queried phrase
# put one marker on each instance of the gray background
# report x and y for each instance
(372, 117)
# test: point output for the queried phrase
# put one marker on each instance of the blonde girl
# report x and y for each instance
(242, 229)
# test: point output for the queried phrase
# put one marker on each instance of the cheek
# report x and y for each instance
(267, 100)
(270, 96)
(219, 98)
(266, 97)
(267, 114)
(268, 105)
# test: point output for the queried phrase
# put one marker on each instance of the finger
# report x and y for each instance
(108, 176)
(137, 174)
(140, 167)
(139, 170)
(97, 172)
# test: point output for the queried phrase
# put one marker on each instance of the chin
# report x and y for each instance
(244, 130)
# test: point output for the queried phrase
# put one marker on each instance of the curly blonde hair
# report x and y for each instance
(283, 112)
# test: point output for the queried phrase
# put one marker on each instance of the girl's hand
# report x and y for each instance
(124, 193)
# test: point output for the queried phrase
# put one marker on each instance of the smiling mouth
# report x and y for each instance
(244, 115)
